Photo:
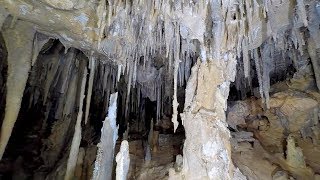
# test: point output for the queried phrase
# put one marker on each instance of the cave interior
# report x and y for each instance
(166, 89)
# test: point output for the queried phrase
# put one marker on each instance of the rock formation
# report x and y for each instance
(225, 85)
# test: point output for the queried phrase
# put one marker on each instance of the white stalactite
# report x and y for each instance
(74, 150)
(19, 41)
(109, 135)
(218, 31)
(123, 161)
(92, 64)
(175, 103)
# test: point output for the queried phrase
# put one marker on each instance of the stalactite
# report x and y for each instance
(267, 67)
(92, 67)
(39, 41)
(65, 107)
(216, 30)
(175, 103)
(158, 94)
(314, 56)
(109, 135)
(19, 41)
(246, 58)
(129, 90)
(74, 150)
(313, 41)
(259, 74)
(119, 72)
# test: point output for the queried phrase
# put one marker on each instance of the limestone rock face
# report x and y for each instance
(290, 112)
(66, 4)
(237, 113)
(167, 59)
(286, 137)
(252, 161)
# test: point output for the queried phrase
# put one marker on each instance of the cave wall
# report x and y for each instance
(126, 38)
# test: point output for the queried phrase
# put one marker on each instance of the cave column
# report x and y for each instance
(19, 43)
(207, 148)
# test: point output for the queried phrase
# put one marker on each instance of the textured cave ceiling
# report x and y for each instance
(65, 60)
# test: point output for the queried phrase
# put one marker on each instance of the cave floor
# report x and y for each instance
(161, 161)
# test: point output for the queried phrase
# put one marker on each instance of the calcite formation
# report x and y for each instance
(109, 135)
(19, 41)
(123, 161)
(71, 62)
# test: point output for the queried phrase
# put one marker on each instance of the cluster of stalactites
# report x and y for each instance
(179, 29)
(142, 30)
(270, 33)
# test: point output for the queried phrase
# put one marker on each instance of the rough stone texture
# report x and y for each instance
(291, 112)
(155, 43)
(286, 139)
(204, 157)
(237, 113)
(69, 26)
(252, 161)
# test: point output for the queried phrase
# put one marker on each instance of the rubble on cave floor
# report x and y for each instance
(281, 142)
(162, 159)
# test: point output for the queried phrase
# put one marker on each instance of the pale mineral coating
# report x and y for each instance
(74, 150)
(218, 31)
(92, 66)
(109, 135)
(19, 42)
(123, 161)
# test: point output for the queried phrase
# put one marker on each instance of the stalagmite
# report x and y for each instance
(19, 41)
(123, 161)
(295, 156)
(74, 150)
(109, 135)
(92, 64)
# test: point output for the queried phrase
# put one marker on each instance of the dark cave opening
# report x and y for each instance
(43, 132)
